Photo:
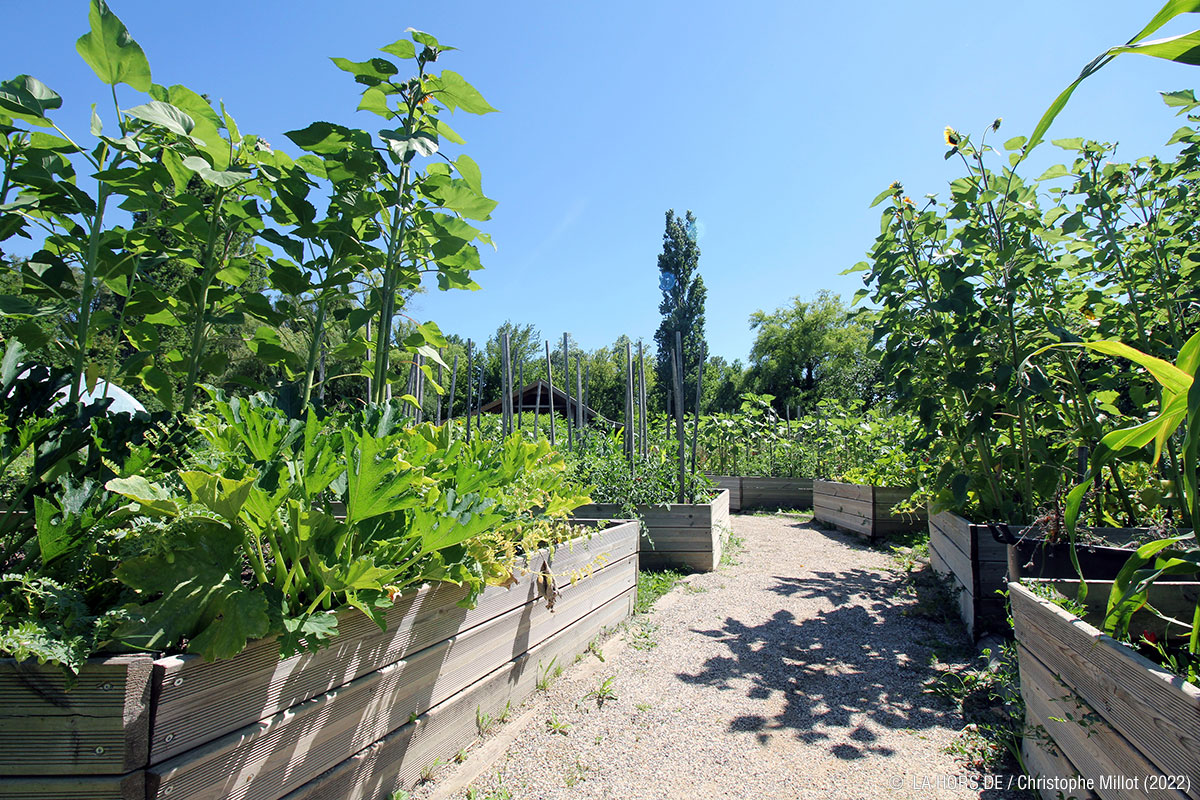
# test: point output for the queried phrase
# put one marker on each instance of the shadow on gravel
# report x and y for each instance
(866, 658)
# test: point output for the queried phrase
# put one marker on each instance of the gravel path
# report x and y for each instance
(795, 673)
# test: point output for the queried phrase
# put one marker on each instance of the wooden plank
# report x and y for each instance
(1090, 744)
(105, 787)
(953, 543)
(269, 758)
(734, 484)
(668, 539)
(194, 704)
(848, 491)
(98, 726)
(1045, 763)
(962, 595)
(396, 762)
(1157, 711)
(775, 493)
(845, 513)
(699, 561)
(1175, 600)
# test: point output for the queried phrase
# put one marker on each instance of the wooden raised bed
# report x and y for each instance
(865, 511)
(775, 493)
(686, 535)
(359, 719)
(734, 484)
(1114, 718)
(977, 565)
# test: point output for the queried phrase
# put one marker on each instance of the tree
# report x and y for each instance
(682, 305)
(810, 351)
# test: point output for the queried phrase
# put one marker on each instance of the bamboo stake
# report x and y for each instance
(629, 410)
(521, 395)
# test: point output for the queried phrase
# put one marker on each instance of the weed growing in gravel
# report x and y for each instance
(641, 634)
(594, 648)
(603, 692)
(643, 706)
(555, 725)
(547, 675)
(429, 770)
(499, 794)
(460, 756)
(989, 698)
(653, 584)
(483, 721)
(733, 547)
(505, 713)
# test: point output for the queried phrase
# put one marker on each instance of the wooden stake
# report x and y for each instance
(470, 387)
(521, 395)
(629, 409)
(453, 386)
(567, 390)
(441, 386)
(579, 395)
(642, 400)
(550, 380)
(677, 379)
(696, 422)
(506, 421)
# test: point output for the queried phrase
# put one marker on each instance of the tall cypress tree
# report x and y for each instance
(682, 305)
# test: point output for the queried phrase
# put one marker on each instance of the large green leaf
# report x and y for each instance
(376, 483)
(1168, 12)
(111, 52)
(454, 91)
(168, 116)
(28, 98)
(1182, 49)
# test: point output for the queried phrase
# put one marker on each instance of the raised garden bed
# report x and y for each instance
(865, 511)
(359, 719)
(754, 493)
(733, 483)
(682, 535)
(1097, 709)
(979, 566)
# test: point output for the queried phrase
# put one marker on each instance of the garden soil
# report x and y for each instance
(797, 671)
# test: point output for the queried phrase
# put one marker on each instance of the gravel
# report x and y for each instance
(796, 672)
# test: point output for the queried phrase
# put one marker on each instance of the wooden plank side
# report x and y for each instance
(1089, 743)
(1157, 711)
(296, 745)
(850, 491)
(962, 595)
(99, 726)
(698, 561)
(396, 762)
(847, 514)
(952, 540)
(734, 484)
(775, 493)
(106, 787)
(1046, 763)
(194, 704)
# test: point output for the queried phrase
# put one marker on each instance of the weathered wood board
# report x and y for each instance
(257, 727)
(1093, 748)
(193, 700)
(771, 494)
(99, 726)
(976, 564)
(396, 762)
(688, 535)
(863, 510)
(734, 484)
(265, 760)
(1156, 712)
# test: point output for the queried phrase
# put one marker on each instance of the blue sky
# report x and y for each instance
(775, 122)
